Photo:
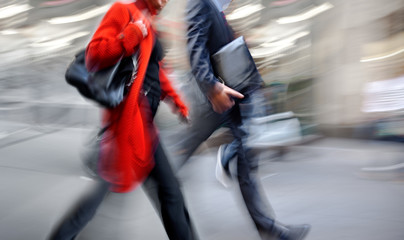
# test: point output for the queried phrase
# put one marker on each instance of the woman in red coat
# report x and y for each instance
(132, 152)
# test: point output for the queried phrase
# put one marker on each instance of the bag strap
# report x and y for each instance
(135, 56)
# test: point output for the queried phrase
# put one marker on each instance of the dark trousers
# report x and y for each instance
(257, 205)
(204, 122)
(162, 188)
(81, 214)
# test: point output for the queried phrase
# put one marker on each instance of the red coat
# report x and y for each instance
(126, 154)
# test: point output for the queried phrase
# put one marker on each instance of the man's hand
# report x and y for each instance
(222, 96)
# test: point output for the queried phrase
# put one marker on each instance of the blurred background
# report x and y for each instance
(336, 67)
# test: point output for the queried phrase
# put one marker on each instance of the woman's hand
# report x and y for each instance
(142, 26)
(178, 107)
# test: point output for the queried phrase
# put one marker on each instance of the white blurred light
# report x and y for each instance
(306, 15)
(265, 52)
(384, 95)
(86, 178)
(57, 2)
(80, 17)
(282, 2)
(244, 11)
(9, 32)
(271, 48)
(382, 57)
(60, 41)
(13, 10)
(286, 41)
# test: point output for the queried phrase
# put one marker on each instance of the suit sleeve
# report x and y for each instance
(114, 37)
(199, 22)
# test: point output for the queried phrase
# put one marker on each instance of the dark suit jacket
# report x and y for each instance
(207, 32)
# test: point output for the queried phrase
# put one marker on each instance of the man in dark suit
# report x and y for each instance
(207, 32)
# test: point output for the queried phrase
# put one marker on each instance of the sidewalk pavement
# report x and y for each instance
(321, 183)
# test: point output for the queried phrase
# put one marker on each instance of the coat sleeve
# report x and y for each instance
(114, 37)
(168, 91)
(199, 21)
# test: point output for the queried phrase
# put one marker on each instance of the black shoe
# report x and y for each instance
(296, 232)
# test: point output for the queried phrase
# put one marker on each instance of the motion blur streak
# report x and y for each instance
(331, 146)
(244, 11)
(66, 41)
(383, 57)
(8, 32)
(306, 15)
(82, 16)
(13, 10)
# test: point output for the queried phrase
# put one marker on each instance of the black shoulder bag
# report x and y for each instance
(106, 87)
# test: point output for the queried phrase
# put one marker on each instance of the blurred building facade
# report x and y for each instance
(317, 58)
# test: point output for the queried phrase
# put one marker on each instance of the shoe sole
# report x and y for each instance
(220, 172)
